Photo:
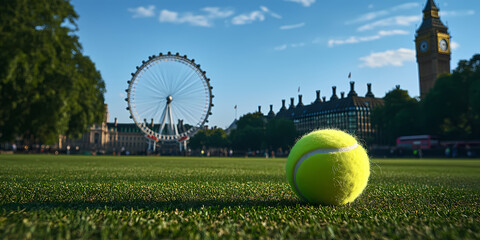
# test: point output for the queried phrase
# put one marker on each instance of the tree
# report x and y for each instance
(452, 106)
(399, 116)
(250, 132)
(47, 86)
(280, 133)
(209, 138)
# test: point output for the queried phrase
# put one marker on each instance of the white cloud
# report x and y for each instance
(369, 16)
(281, 47)
(406, 6)
(285, 46)
(388, 58)
(356, 39)
(454, 45)
(216, 12)
(461, 13)
(257, 15)
(391, 21)
(248, 18)
(275, 15)
(141, 12)
(305, 3)
(202, 20)
(293, 26)
(376, 14)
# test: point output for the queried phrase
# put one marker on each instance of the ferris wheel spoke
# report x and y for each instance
(186, 116)
(191, 84)
(191, 110)
(184, 80)
(190, 87)
(149, 90)
(159, 78)
(190, 94)
(190, 107)
(152, 85)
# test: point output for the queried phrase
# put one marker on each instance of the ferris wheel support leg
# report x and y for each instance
(183, 145)
(164, 115)
(173, 126)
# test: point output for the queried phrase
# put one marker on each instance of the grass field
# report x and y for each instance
(49, 197)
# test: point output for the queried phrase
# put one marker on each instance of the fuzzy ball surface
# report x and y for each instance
(328, 167)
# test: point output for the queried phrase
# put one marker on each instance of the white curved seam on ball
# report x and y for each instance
(315, 152)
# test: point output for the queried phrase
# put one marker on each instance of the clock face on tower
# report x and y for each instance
(443, 44)
(423, 46)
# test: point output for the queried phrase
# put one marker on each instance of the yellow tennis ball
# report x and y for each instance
(328, 167)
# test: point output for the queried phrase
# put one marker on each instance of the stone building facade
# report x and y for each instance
(108, 138)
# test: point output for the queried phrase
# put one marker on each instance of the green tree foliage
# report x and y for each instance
(399, 116)
(452, 106)
(47, 86)
(280, 133)
(209, 138)
(250, 132)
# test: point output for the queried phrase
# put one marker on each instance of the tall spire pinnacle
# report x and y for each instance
(430, 10)
(430, 6)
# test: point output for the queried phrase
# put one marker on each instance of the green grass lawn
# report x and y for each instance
(47, 197)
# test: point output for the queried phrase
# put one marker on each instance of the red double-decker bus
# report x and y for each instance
(417, 142)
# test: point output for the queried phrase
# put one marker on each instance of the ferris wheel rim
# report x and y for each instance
(152, 60)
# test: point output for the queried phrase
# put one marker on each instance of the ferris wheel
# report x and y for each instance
(169, 98)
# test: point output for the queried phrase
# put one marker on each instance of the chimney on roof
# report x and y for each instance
(271, 114)
(324, 98)
(369, 92)
(300, 103)
(342, 95)
(352, 92)
(152, 123)
(317, 100)
(260, 109)
(334, 94)
(116, 122)
(283, 105)
(292, 105)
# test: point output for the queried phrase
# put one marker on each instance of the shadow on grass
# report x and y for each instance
(147, 205)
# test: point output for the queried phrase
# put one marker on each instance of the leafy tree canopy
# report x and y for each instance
(280, 133)
(250, 132)
(398, 117)
(47, 86)
(209, 138)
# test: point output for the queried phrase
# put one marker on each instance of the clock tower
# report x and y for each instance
(432, 42)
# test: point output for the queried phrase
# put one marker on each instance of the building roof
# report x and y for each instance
(351, 102)
(124, 127)
(339, 105)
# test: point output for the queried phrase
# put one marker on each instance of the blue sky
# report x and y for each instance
(260, 52)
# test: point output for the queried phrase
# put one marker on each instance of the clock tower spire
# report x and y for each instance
(432, 42)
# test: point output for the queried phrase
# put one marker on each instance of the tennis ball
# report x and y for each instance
(328, 167)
